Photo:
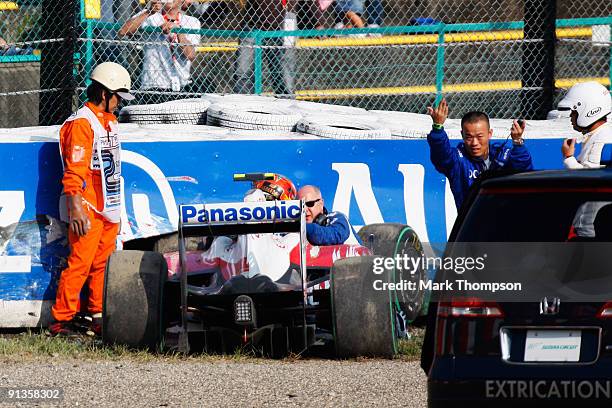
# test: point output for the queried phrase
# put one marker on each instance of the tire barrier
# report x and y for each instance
(252, 117)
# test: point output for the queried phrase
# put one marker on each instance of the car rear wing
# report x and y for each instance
(253, 177)
(197, 220)
(240, 218)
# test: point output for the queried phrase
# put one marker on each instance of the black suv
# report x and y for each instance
(549, 352)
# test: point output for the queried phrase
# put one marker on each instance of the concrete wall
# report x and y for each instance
(19, 110)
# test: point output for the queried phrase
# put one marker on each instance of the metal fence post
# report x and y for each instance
(90, 11)
(440, 64)
(257, 61)
(538, 60)
(89, 57)
(57, 61)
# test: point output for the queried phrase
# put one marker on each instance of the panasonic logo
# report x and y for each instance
(240, 212)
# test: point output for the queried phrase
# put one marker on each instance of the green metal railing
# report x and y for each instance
(441, 29)
(259, 38)
(19, 58)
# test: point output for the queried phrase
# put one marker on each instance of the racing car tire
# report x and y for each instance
(363, 321)
(133, 299)
(166, 243)
(169, 243)
(389, 240)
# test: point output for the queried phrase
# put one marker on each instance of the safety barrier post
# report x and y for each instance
(57, 82)
(88, 60)
(258, 37)
(90, 10)
(538, 61)
(440, 63)
(88, 50)
(610, 67)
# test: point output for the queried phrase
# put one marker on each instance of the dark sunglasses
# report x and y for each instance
(311, 203)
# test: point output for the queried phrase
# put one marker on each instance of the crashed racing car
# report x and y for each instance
(243, 274)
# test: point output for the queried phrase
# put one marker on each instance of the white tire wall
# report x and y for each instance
(343, 127)
(182, 111)
(252, 117)
(306, 108)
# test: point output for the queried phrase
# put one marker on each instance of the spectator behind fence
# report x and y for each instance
(310, 14)
(11, 50)
(212, 13)
(167, 55)
(349, 13)
(374, 13)
(106, 49)
(266, 15)
(463, 164)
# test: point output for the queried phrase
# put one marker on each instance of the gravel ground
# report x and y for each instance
(248, 383)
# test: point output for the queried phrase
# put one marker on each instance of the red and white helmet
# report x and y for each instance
(280, 188)
(590, 100)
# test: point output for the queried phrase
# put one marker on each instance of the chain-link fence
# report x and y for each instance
(509, 58)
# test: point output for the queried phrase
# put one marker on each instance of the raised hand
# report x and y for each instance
(439, 113)
(155, 6)
(517, 129)
(168, 26)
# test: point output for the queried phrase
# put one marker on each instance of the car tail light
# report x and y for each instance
(244, 310)
(606, 311)
(471, 307)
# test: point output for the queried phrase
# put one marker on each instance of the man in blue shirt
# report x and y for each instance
(325, 228)
(463, 164)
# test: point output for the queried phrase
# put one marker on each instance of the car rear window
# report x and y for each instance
(538, 215)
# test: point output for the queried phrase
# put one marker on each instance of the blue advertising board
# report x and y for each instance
(369, 180)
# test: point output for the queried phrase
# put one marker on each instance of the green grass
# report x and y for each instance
(410, 349)
(33, 345)
(38, 344)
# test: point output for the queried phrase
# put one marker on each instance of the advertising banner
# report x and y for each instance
(371, 181)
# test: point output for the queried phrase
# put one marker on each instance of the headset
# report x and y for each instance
(321, 219)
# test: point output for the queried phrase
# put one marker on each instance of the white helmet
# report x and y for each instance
(115, 78)
(590, 100)
(558, 114)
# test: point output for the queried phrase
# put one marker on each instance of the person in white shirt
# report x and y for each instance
(590, 105)
(279, 53)
(167, 55)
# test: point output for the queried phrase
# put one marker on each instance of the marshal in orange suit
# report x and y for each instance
(90, 151)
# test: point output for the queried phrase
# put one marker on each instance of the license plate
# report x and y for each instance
(552, 345)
